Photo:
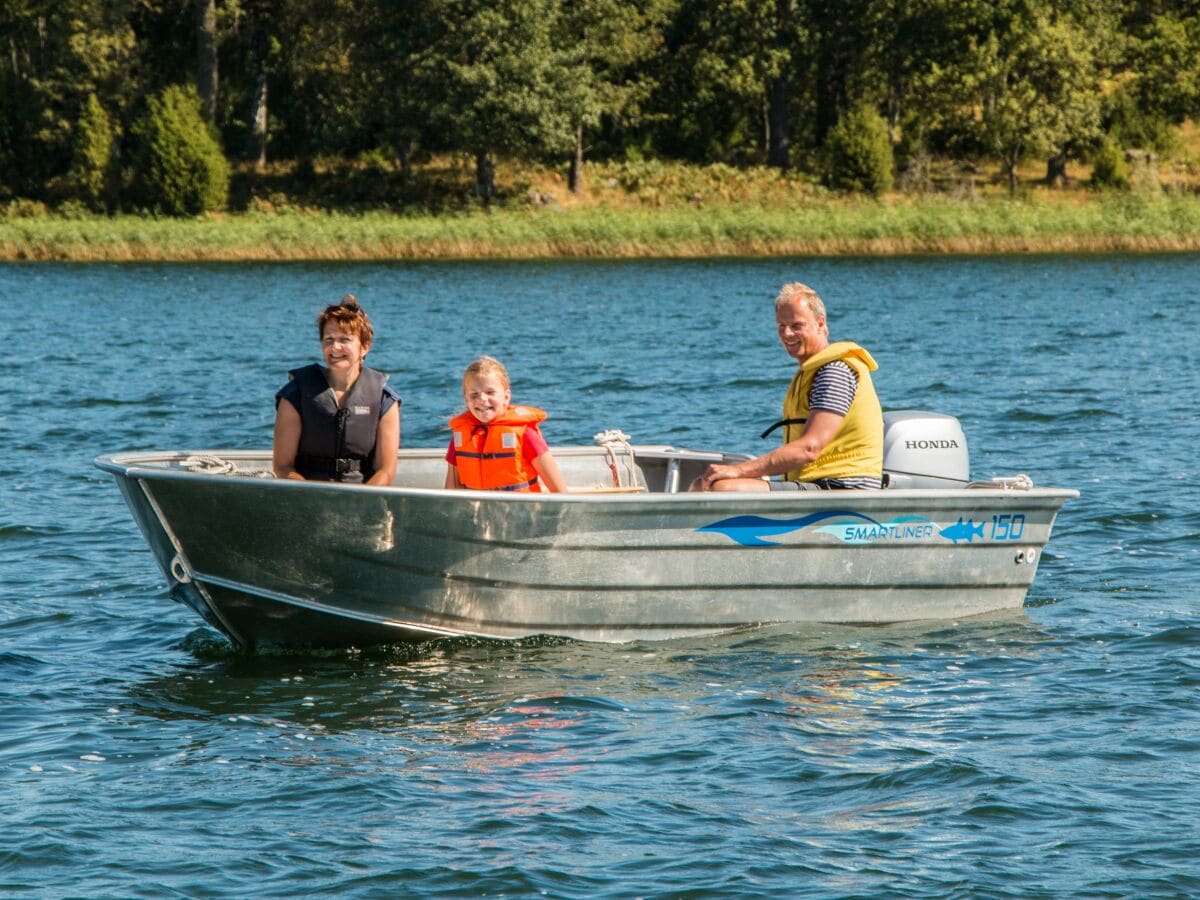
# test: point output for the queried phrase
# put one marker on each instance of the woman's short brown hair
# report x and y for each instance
(348, 316)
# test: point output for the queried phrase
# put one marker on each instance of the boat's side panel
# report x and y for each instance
(170, 558)
(147, 521)
(611, 569)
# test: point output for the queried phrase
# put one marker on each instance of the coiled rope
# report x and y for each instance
(208, 464)
(1021, 482)
(612, 440)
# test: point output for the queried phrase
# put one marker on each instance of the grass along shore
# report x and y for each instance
(1072, 222)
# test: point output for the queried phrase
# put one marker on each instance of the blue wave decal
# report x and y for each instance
(962, 531)
(751, 531)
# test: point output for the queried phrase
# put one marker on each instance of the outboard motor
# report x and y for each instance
(924, 450)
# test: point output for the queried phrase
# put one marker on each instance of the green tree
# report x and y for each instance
(393, 62)
(901, 42)
(843, 42)
(858, 152)
(247, 34)
(1030, 84)
(502, 84)
(608, 41)
(1108, 166)
(1160, 78)
(728, 72)
(55, 55)
(207, 65)
(180, 168)
(92, 175)
(311, 61)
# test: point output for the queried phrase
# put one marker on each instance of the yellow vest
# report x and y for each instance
(857, 448)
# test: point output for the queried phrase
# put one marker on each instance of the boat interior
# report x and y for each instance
(921, 450)
(623, 468)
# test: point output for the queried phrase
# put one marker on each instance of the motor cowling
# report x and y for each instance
(924, 450)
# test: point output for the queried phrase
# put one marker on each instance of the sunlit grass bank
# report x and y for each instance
(823, 226)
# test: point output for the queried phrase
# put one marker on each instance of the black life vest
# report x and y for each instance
(338, 443)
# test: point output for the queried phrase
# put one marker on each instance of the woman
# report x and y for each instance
(340, 421)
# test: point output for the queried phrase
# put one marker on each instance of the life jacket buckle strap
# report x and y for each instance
(518, 487)
(333, 464)
(781, 423)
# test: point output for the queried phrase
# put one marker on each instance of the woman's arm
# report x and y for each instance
(452, 482)
(286, 441)
(387, 442)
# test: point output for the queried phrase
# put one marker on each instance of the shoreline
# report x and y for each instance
(1099, 224)
(457, 252)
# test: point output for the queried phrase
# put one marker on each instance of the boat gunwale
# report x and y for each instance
(126, 464)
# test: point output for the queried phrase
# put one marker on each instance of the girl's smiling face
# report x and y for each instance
(487, 396)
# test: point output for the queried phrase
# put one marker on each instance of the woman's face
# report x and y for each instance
(343, 351)
(487, 396)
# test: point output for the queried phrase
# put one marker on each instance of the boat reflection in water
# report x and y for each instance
(628, 554)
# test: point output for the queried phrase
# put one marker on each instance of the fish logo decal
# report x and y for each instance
(962, 531)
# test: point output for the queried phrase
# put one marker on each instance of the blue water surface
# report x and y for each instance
(1049, 752)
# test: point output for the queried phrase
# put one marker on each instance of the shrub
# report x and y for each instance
(24, 208)
(180, 169)
(1131, 125)
(1109, 168)
(378, 159)
(91, 178)
(858, 154)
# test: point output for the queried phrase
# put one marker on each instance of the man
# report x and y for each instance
(833, 437)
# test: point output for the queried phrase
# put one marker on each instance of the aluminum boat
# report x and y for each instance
(627, 554)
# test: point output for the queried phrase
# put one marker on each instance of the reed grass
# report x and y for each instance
(819, 226)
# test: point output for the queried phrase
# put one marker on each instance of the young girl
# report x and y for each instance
(495, 446)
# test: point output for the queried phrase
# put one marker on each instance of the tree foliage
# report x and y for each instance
(92, 178)
(1108, 166)
(1166, 64)
(180, 167)
(505, 84)
(731, 81)
(858, 152)
(56, 55)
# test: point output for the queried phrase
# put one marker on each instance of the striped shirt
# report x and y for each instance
(833, 390)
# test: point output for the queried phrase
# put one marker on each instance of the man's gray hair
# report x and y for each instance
(803, 293)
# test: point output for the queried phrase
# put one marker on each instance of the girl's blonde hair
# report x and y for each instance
(483, 366)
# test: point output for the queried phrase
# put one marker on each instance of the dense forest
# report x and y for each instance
(141, 104)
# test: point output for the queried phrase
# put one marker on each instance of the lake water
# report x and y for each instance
(1050, 752)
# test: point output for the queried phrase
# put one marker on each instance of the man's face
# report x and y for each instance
(801, 333)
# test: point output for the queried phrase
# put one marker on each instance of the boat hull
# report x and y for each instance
(290, 563)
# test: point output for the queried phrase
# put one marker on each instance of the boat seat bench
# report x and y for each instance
(586, 470)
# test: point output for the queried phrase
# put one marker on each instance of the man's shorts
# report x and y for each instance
(792, 486)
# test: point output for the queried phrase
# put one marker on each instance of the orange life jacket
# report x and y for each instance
(488, 457)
